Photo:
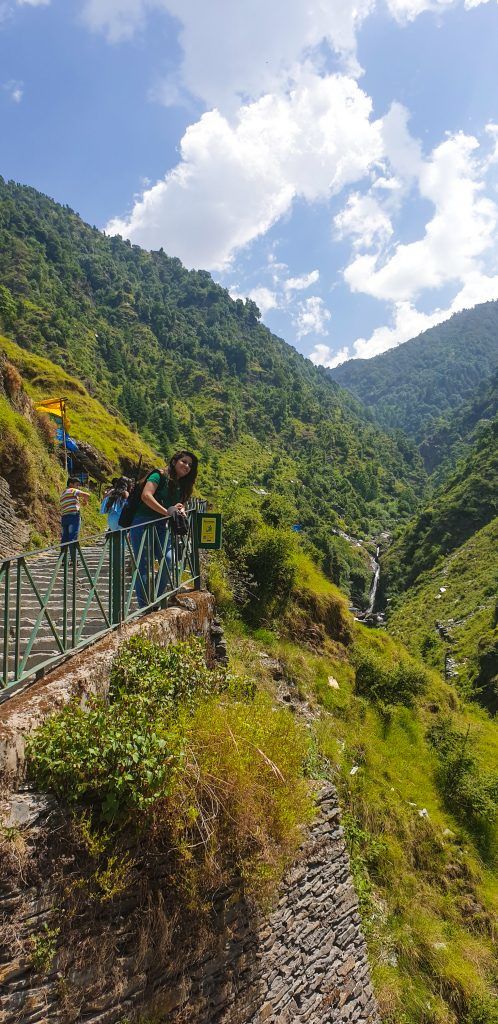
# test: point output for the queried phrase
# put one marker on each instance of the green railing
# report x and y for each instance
(57, 601)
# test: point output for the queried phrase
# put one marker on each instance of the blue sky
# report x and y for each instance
(338, 164)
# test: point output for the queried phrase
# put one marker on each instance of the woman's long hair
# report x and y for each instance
(185, 483)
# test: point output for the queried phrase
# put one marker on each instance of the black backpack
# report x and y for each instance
(131, 504)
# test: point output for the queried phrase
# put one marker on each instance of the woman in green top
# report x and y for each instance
(163, 494)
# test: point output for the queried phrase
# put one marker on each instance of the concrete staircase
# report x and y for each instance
(41, 568)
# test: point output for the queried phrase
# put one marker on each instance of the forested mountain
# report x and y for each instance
(410, 387)
(466, 502)
(135, 341)
(440, 576)
(453, 434)
(171, 353)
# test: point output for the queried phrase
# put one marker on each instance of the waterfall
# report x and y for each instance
(375, 583)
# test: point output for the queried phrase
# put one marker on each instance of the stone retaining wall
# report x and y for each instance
(14, 531)
(306, 962)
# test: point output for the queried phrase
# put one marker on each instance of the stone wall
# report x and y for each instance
(305, 962)
(14, 531)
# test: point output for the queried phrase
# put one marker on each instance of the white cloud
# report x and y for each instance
(322, 356)
(264, 299)
(460, 231)
(33, 3)
(408, 10)
(364, 220)
(238, 50)
(492, 131)
(297, 284)
(169, 93)
(403, 152)
(312, 317)
(15, 90)
(118, 20)
(235, 180)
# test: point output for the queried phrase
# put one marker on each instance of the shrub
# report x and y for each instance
(400, 683)
(12, 380)
(193, 762)
(278, 510)
(270, 563)
(468, 793)
(124, 753)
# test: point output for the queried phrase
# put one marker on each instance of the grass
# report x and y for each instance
(195, 763)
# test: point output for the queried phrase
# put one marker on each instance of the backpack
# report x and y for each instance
(131, 504)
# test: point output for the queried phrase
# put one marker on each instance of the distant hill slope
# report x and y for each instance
(467, 502)
(453, 434)
(410, 387)
(449, 616)
(173, 354)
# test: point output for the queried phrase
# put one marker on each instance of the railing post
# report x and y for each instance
(195, 551)
(116, 560)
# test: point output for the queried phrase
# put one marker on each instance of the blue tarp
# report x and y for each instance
(71, 445)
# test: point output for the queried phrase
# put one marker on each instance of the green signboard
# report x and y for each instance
(209, 530)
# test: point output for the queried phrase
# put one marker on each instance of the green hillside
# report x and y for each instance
(449, 617)
(466, 502)
(453, 434)
(150, 356)
(172, 353)
(410, 387)
(28, 452)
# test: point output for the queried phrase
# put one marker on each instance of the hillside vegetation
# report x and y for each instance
(410, 387)
(311, 694)
(449, 617)
(172, 353)
(440, 576)
(28, 450)
(453, 434)
(467, 501)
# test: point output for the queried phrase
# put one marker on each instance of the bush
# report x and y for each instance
(269, 560)
(400, 683)
(470, 795)
(278, 510)
(193, 762)
(123, 754)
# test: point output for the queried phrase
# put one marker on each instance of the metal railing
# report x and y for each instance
(57, 601)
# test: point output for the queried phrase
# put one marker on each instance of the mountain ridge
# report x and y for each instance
(411, 386)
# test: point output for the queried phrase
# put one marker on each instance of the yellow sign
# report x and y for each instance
(208, 530)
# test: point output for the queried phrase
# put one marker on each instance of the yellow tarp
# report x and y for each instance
(54, 407)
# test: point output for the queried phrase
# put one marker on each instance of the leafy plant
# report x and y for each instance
(43, 948)
(190, 760)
